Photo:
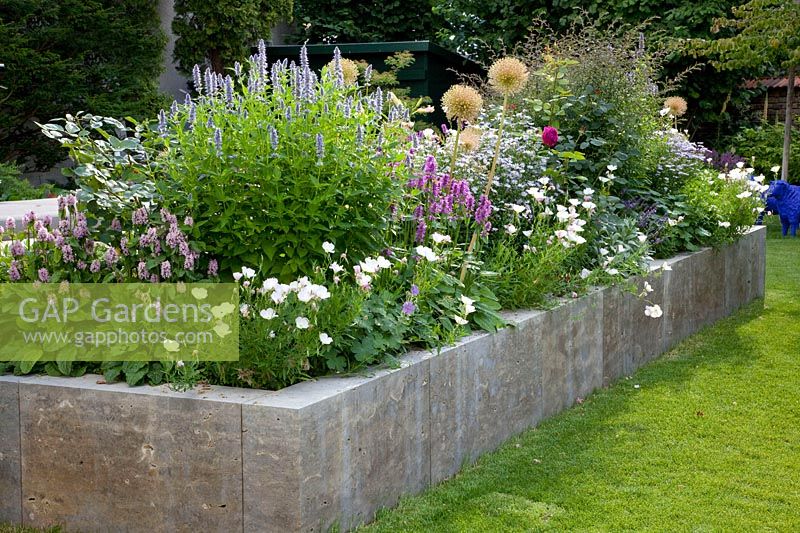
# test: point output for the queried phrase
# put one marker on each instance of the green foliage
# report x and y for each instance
(13, 187)
(221, 32)
(762, 146)
(352, 21)
(60, 57)
(288, 173)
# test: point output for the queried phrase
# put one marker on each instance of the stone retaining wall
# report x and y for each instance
(99, 457)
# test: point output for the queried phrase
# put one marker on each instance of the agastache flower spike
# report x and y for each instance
(320, 148)
(198, 80)
(192, 116)
(218, 140)
(228, 89)
(162, 123)
(367, 74)
(360, 135)
(237, 69)
(173, 109)
(273, 138)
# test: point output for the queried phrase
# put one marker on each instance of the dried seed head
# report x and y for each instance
(470, 139)
(508, 76)
(462, 102)
(677, 106)
(349, 70)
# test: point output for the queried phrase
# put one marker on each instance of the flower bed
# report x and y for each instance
(333, 451)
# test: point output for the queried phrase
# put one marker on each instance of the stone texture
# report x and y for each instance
(483, 391)
(10, 480)
(759, 261)
(106, 461)
(345, 456)
(630, 338)
(571, 340)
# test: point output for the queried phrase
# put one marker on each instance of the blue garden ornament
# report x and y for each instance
(786, 199)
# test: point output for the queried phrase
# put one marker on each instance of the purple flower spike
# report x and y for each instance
(166, 270)
(213, 268)
(13, 271)
(409, 308)
(44, 275)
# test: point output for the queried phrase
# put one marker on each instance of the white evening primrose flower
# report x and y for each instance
(382, 262)
(740, 164)
(427, 253)
(611, 168)
(336, 267)
(724, 224)
(268, 313)
(517, 208)
(511, 229)
(574, 202)
(438, 238)
(588, 191)
(249, 273)
(589, 206)
(776, 169)
(648, 287)
(612, 271)
(744, 194)
(244, 309)
(301, 322)
(328, 247)
(468, 304)
(528, 233)
(320, 292)
(585, 273)
(641, 236)
(237, 276)
(270, 284)
(544, 180)
(653, 311)
(179, 364)
(305, 294)
(325, 339)
(460, 321)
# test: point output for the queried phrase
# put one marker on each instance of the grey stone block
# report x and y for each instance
(571, 339)
(10, 469)
(110, 461)
(630, 338)
(483, 391)
(759, 261)
(346, 456)
(739, 263)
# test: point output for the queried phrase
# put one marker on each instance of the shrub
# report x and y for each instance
(273, 165)
(100, 55)
(13, 187)
(762, 148)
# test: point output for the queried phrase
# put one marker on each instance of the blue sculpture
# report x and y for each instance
(787, 203)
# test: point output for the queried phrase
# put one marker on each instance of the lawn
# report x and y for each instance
(707, 438)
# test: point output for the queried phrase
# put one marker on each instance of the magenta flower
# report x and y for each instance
(550, 136)
(213, 268)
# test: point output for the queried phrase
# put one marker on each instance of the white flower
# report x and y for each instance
(324, 338)
(511, 229)
(589, 206)
(648, 287)
(672, 222)
(588, 191)
(270, 284)
(249, 273)
(776, 169)
(641, 236)
(271, 334)
(517, 208)
(280, 293)
(585, 273)
(574, 202)
(301, 322)
(653, 311)
(460, 321)
(328, 247)
(383, 262)
(664, 112)
(426, 253)
(438, 238)
(428, 133)
(237, 276)
(320, 292)
(744, 194)
(528, 233)
(724, 224)
(468, 305)
(305, 294)
(369, 265)
(245, 310)
(544, 180)
(740, 164)
(268, 313)
(179, 364)
(336, 267)
(612, 271)
(611, 168)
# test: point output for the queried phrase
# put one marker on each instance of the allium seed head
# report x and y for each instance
(677, 106)
(462, 102)
(508, 76)
(470, 139)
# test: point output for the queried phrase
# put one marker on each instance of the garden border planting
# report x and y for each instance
(96, 456)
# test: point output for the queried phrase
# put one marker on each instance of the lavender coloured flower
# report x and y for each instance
(197, 79)
(111, 257)
(367, 74)
(188, 261)
(188, 221)
(81, 228)
(44, 275)
(192, 117)
(123, 246)
(11, 225)
(140, 216)
(94, 268)
(42, 235)
(17, 249)
(67, 255)
(414, 290)
(149, 238)
(47, 221)
(484, 209)
(141, 271)
(237, 69)
(116, 225)
(218, 140)
(13, 271)
(228, 82)
(28, 218)
(320, 147)
(166, 270)
(154, 278)
(360, 135)
(213, 268)
(173, 109)
(162, 123)
(422, 228)
(273, 138)
(81, 265)
(408, 307)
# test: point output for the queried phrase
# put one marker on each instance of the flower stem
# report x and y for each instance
(455, 150)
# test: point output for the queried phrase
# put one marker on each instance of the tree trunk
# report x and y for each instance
(216, 60)
(787, 128)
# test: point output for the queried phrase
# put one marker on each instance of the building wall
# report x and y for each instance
(775, 99)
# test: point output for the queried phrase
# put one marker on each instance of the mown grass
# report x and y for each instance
(707, 438)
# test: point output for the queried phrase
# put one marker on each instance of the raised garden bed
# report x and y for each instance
(100, 457)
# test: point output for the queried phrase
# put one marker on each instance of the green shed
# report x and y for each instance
(434, 69)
